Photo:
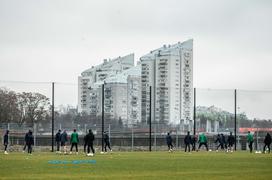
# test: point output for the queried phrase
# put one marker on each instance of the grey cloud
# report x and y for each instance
(231, 38)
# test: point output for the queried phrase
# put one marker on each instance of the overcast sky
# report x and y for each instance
(55, 40)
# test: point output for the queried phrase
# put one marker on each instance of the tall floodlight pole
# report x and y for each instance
(102, 116)
(53, 113)
(235, 117)
(150, 108)
(194, 111)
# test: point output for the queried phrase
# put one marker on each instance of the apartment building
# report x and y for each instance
(88, 78)
(169, 72)
(122, 94)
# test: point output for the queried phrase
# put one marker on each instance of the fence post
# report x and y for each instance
(176, 138)
(8, 136)
(257, 141)
(194, 111)
(155, 136)
(109, 132)
(53, 113)
(132, 138)
(35, 134)
(102, 116)
(235, 118)
(150, 113)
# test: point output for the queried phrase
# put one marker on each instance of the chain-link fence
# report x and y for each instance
(125, 110)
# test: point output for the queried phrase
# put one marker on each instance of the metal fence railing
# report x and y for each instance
(133, 138)
(212, 111)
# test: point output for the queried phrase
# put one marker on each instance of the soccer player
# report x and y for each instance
(219, 140)
(58, 140)
(224, 142)
(267, 142)
(26, 136)
(250, 140)
(194, 140)
(6, 136)
(29, 142)
(187, 141)
(89, 141)
(74, 141)
(231, 141)
(169, 142)
(63, 140)
(202, 141)
(106, 140)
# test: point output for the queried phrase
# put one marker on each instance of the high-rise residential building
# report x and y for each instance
(122, 94)
(88, 78)
(134, 96)
(169, 72)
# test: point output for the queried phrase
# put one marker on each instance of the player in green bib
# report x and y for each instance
(250, 140)
(202, 141)
(74, 141)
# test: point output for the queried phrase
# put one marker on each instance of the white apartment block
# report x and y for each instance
(122, 94)
(169, 71)
(134, 97)
(88, 78)
(115, 99)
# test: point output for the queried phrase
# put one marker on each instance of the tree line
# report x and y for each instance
(25, 107)
(31, 107)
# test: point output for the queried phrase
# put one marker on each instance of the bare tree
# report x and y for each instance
(33, 107)
(21, 115)
(8, 105)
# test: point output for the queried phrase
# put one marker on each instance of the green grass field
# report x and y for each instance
(137, 165)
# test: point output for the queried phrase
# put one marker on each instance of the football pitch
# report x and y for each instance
(137, 165)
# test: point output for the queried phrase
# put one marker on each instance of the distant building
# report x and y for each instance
(169, 71)
(134, 97)
(96, 74)
(122, 94)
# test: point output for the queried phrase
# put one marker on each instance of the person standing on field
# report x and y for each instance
(267, 142)
(89, 141)
(202, 141)
(29, 142)
(187, 141)
(26, 136)
(58, 140)
(194, 140)
(250, 141)
(74, 141)
(231, 141)
(169, 142)
(106, 139)
(6, 137)
(220, 141)
(225, 146)
(63, 140)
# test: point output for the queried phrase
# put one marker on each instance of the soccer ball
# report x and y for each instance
(210, 150)
(101, 152)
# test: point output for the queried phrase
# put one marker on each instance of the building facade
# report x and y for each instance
(134, 98)
(169, 72)
(164, 74)
(89, 77)
(122, 94)
(122, 90)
